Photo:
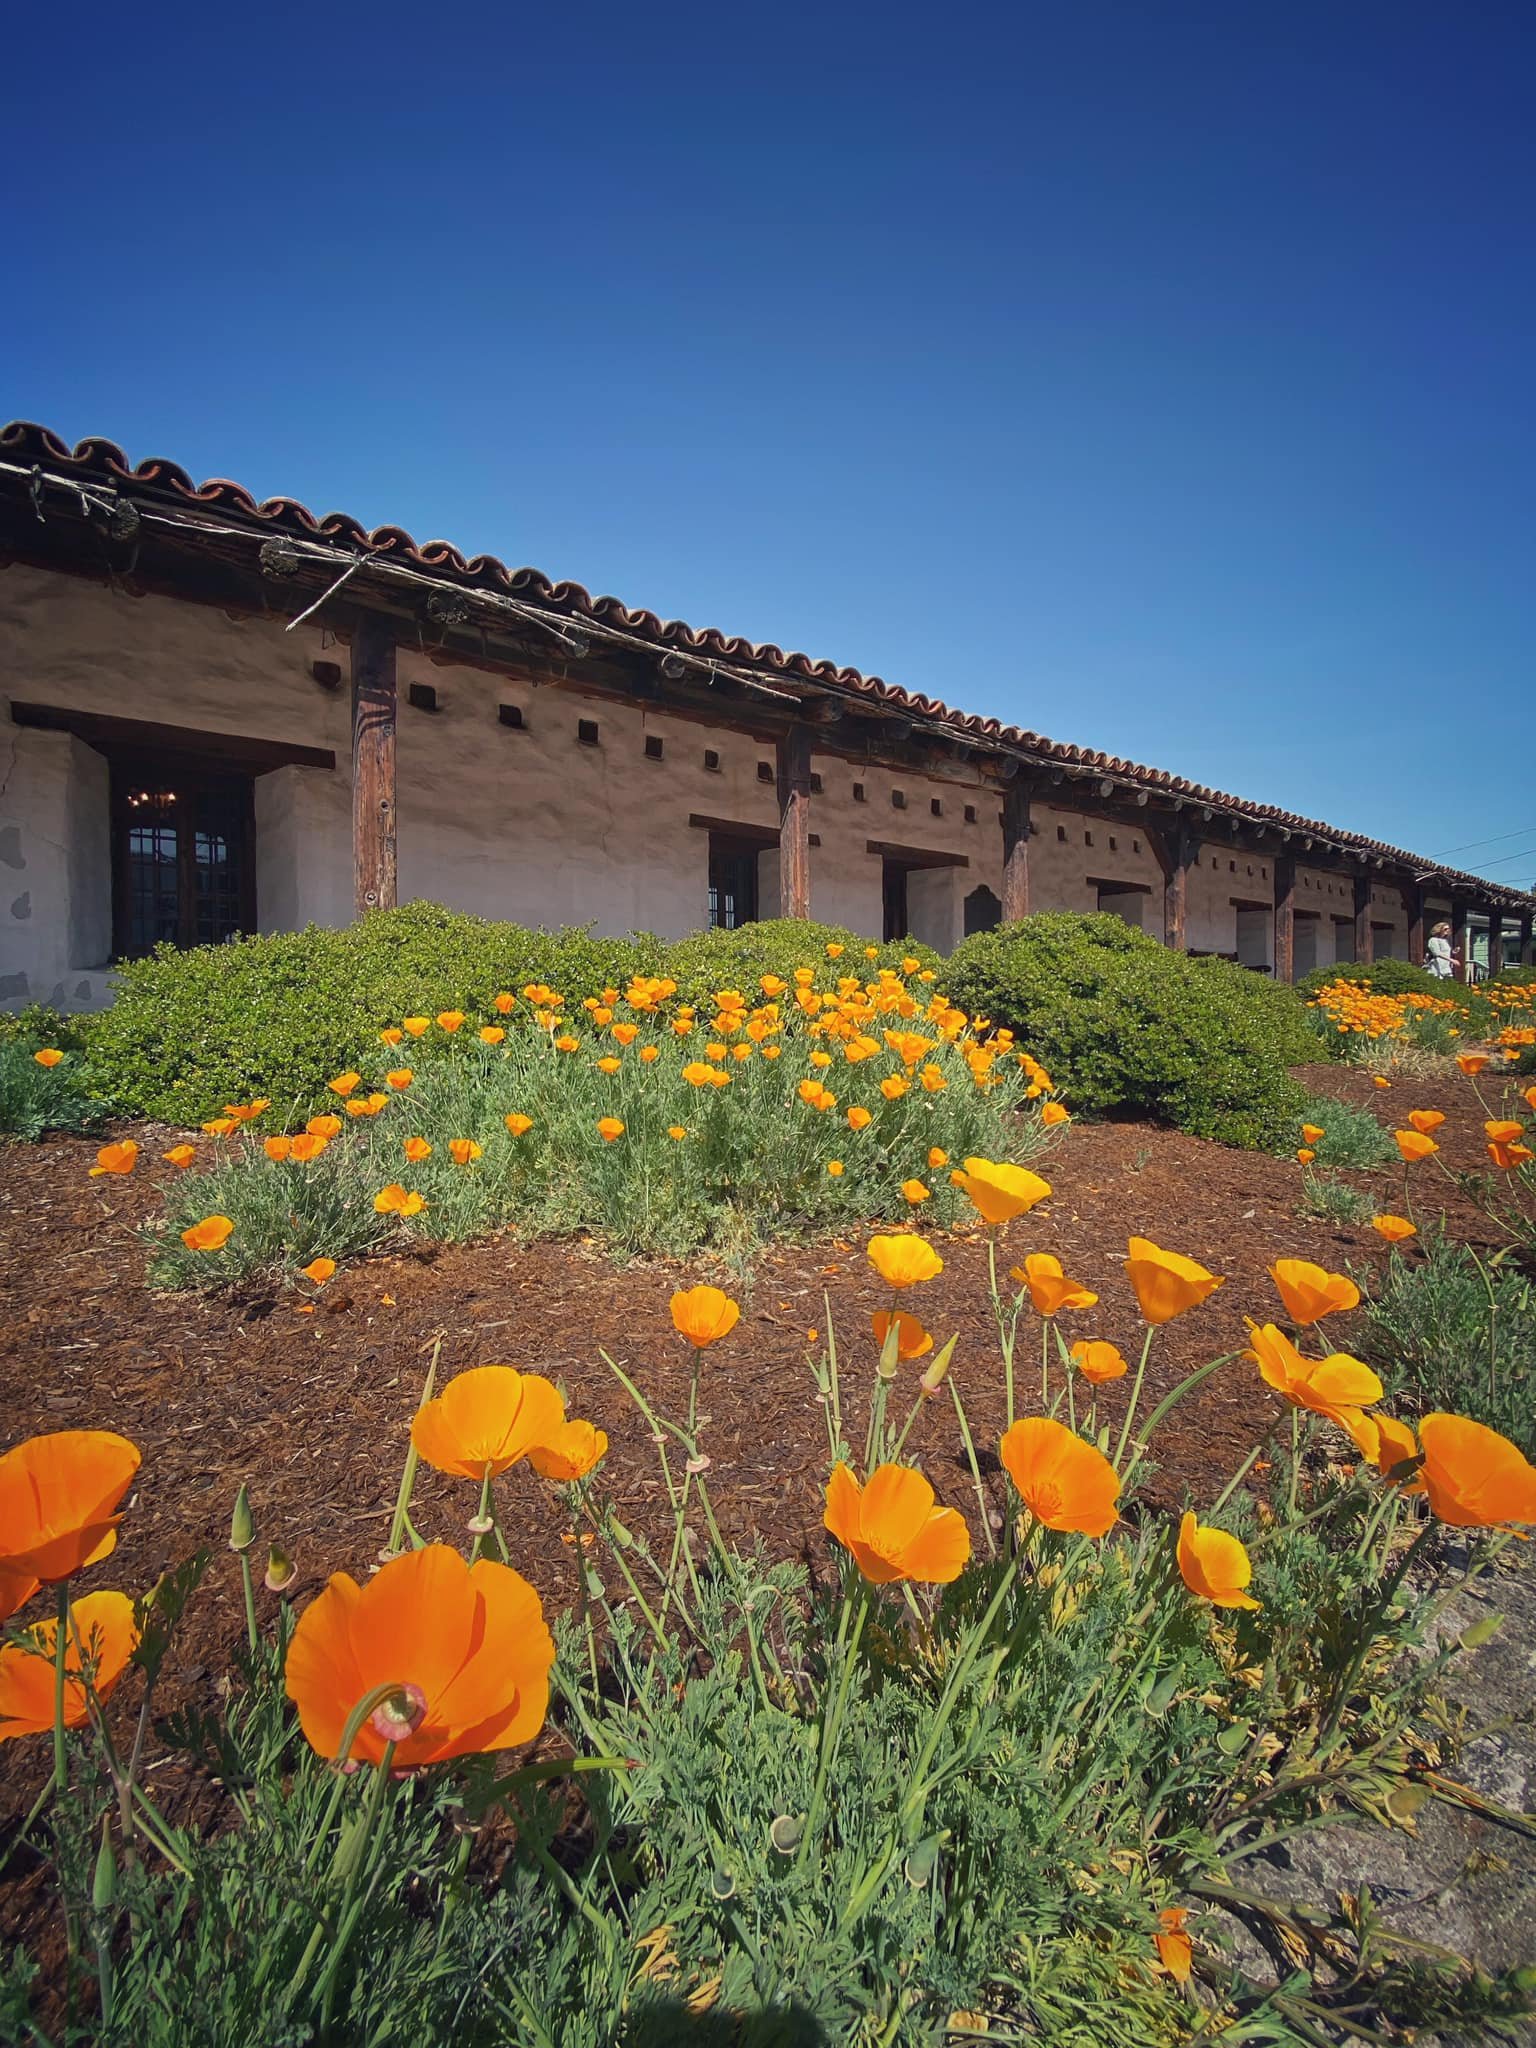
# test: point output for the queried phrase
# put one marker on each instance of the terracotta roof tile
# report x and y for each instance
(26, 444)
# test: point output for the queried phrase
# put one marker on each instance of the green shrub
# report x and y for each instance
(1351, 1137)
(1126, 1027)
(279, 1015)
(40, 1024)
(1450, 1332)
(1382, 977)
(35, 1100)
(1332, 1201)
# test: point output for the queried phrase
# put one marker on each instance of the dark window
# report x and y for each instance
(815, 783)
(512, 715)
(181, 850)
(422, 697)
(586, 731)
(983, 911)
(732, 883)
(765, 771)
(893, 890)
(858, 792)
(1061, 831)
(936, 806)
(1087, 839)
(898, 799)
(711, 760)
(1114, 844)
(970, 814)
(653, 747)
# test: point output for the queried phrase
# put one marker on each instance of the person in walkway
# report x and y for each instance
(1439, 961)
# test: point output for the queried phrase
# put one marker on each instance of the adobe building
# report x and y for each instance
(224, 717)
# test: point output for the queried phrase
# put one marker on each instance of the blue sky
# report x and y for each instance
(1157, 377)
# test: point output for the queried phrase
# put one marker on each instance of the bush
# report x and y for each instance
(1126, 1027)
(36, 1099)
(1351, 1137)
(713, 1140)
(1452, 1334)
(1332, 1201)
(279, 1015)
(707, 961)
(1382, 977)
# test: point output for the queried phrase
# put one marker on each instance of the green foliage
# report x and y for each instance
(1332, 1201)
(1382, 977)
(279, 1015)
(1128, 1028)
(35, 1100)
(1351, 1137)
(40, 1024)
(1451, 1330)
(752, 1160)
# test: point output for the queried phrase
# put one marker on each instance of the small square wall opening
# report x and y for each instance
(936, 806)
(858, 793)
(898, 799)
(1061, 833)
(586, 732)
(765, 771)
(815, 783)
(654, 746)
(711, 760)
(970, 814)
(511, 715)
(422, 697)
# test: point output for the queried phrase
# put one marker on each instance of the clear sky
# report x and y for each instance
(1157, 374)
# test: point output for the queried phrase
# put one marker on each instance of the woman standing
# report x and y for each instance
(1439, 961)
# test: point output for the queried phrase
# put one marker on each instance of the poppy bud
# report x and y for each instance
(933, 1378)
(621, 1536)
(104, 1883)
(242, 1526)
(281, 1571)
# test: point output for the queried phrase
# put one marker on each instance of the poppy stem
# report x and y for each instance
(1130, 1413)
(1045, 1363)
(484, 1516)
(249, 1589)
(832, 1727)
(355, 1851)
(970, 1454)
(1295, 1454)
(60, 1650)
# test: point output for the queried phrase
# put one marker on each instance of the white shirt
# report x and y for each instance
(1439, 962)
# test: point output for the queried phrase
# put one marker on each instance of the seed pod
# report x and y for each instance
(784, 1832)
(242, 1524)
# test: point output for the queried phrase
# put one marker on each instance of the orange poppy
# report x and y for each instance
(1063, 1481)
(504, 1003)
(1387, 1443)
(1310, 1292)
(49, 1056)
(859, 1119)
(1475, 1478)
(1507, 1157)
(100, 1624)
(180, 1156)
(1426, 1121)
(400, 1077)
(912, 1340)
(58, 1494)
(1329, 1386)
(1098, 1360)
(999, 1191)
(1214, 1565)
(344, 1083)
(608, 1064)
(415, 1026)
(394, 1200)
(937, 1157)
(211, 1235)
(323, 1126)
(1504, 1131)
(118, 1158)
(1049, 1288)
(366, 1105)
(393, 1036)
(1414, 1145)
(466, 1645)
(1175, 1950)
(609, 1128)
(893, 1528)
(518, 1124)
(1394, 1228)
(308, 1146)
(491, 1034)
(704, 1315)
(465, 1151)
(1471, 1062)
(221, 1126)
(416, 1149)
(914, 1192)
(450, 1020)
(904, 1261)
(836, 1168)
(1166, 1283)
(893, 1087)
(1054, 1113)
(1311, 1133)
(319, 1271)
(487, 1418)
(277, 1148)
(1305, 1154)
(1529, 1095)
(677, 1130)
(570, 1453)
(1380, 1081)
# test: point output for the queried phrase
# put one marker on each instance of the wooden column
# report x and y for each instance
(1413, 901)
(1525, 942)
(1016, 836)
(1285, 917)
(1495, 942)
(1365, 948)
(373, 764)
(1176, 851)
(794, 777)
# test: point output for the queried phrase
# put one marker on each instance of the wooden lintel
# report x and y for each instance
(239, 751)
(735, 828)
(916, 856)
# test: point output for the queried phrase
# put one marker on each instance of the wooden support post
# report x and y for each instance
(1413, 902)
(1365, 945)
(1525, 942)
(373, 764)
(1495, 943)
(1016, 835)
(1176, 851)
(1285, 917)
(794, 778)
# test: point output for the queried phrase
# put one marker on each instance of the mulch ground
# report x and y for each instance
(313, 1410)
